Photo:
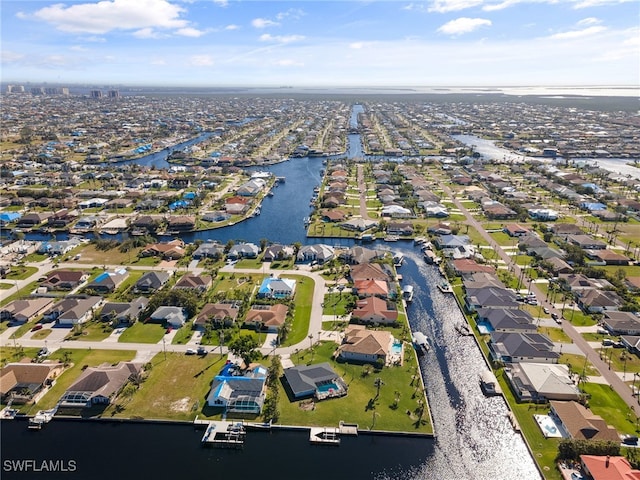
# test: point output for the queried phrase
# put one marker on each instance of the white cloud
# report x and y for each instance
(585, 32)
(281, 38)
(190, 32)
(444, 6)
(416, 7)
(105, 16)
(158, 61)
(463, 25)
(598, 3)
(78, 48)
(263, 23)
(289, 63)
(201, 60)
(232, 27)
(293, 13)
(9, 57)
(146, 33)
(221, 3)
(589, 21)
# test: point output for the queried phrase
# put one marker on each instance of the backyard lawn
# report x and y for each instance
(143, 333)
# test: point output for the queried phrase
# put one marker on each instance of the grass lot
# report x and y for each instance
(360, 405)
(579, 319)
(183, 335)
(249, 263)
(555, 334)
(621, 360)
(20, 272)
(175, 389)
(302, 315)
(577, 363)
(12, 354)
(336, 303)
(94, 331)
(142, 333)
(607, 403)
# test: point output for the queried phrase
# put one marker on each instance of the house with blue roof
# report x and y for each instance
(239, 391)
(8, 217)
(273, 287)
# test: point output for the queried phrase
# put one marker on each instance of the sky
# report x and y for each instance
(321, 43)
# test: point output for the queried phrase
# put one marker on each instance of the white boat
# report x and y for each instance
(398, 259)
(391, 238)
(420, 342)
(407, 293)
(489, 383)
(445, 287)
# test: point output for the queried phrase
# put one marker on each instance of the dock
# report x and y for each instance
(324, 435)
(224, 434)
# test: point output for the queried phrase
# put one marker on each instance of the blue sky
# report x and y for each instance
(322, 43)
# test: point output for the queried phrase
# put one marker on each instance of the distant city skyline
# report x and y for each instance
(200, 43)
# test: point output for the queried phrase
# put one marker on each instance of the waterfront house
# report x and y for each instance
(198, 283)
(491, 297)
(63, 279)
(600, 467)
(127, 313)
(151, 282)
(54, 248)
(171, 250)
(243, 250)
(365, 346)
(541, 382)
(368, 288)
(170, 316)
(33, 219)
(73, 310)
(268, 318)
(21, 382)
(522, 347)
(24, 310)
(361, 255)
(107, 282)
(368, 271)
(580, 423)
(236, 205)
(506, 320)
(99, 385)
(222, 314)
(181, 223)
(400, 228)
(319, 381)
(320, 253)
(208, 249)
(375, 310)
(277, 252)
(358, 224)
(239, 391)
(466, 266)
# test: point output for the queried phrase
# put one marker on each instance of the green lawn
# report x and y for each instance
(20, 272)
(142, 333)
(555, 334)
(303, 300)
(360, 405)
(607, 403)
(336, 303)
(93, 331)
(183, 335)
(175, 389)
(22, 293)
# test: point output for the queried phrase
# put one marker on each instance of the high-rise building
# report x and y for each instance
(113, 94)
(96, 93)
(37, 91)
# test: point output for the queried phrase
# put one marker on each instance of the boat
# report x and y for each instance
(489, 384)
(367, 237)
(445, 287)
(429, 257)
(398, 258)
(407, 293)
(463, 329)
(41, 418)
(420, 342)
(224, 434)
(391, 238)
(324, 436)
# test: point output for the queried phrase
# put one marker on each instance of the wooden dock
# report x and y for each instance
(224, 434)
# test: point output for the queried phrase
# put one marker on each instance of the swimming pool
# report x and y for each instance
(548, 426)
(396, 348)
(327, 387)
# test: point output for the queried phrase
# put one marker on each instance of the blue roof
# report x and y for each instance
(101, 277)
(9, 216)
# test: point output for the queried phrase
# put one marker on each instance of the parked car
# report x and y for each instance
(190, 351)
(545, 310)
(169, 329)
(36, 327)
(202, 351)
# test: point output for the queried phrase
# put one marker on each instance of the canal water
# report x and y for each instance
(475, 440)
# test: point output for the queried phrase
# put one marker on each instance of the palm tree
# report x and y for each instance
(378, 383)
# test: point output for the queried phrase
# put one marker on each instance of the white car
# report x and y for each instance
(190, 351)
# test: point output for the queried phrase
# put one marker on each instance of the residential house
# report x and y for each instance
(541, 382)
(374, 310)
(358, 224)
(506, 320)
(515, 230)
(33, 219)
(462, 266)
(119, 313)
(236, 205)
(243, 250)
(319, 253)
(400, 228)
(22, 311)
(198, 283)
(396, 211)
(580, 423)
(621, 323)
(208, 250)
(171, 250)
(491, 297)
(371, 287)
(268, 318)
(277, 252)
(99, 385)
(273, 287)
(73, 310)
(222, 314)
(608, 468)
(168, 315)
(239, 391)
(606, 257)
(61, 247)
(21, 382)
(63, 279)
(319, 381)
(597, 301)
(365, 346)
(522, 347)
(181, 223)
(558, 266)
(107, 282)
(151, 282)
(586, 242)
(368, 271)
(357, 254)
